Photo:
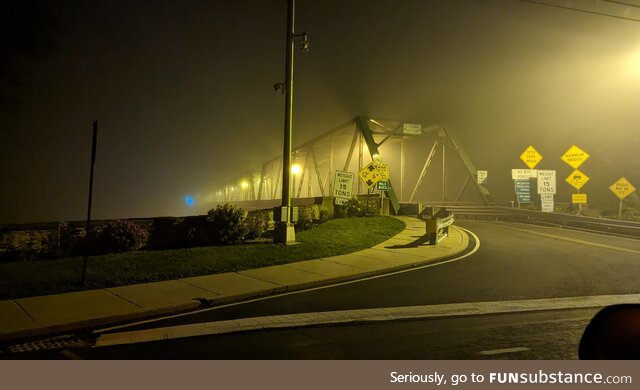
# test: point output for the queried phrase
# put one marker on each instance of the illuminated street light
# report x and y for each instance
(295, 170)
(244, 186)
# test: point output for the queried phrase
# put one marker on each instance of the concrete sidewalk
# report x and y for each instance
(38, 316)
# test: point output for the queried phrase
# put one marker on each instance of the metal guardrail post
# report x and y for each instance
(437, 222)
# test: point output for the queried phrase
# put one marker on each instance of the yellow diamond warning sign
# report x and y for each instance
(622, 188)
(574, 156)
(370, 175)
(577, 179)
(531, 157)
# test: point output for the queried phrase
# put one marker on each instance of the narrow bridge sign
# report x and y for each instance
(574, 156)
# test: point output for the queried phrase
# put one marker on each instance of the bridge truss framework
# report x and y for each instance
(350, 147)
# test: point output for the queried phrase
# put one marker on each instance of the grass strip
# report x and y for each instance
(332, 238)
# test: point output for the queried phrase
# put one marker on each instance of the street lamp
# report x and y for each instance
(244, 186)
(295, 171)
(285, 232)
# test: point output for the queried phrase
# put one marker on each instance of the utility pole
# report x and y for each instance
(285, 232)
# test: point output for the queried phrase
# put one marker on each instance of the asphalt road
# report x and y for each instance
(514, 262)
(536, 335)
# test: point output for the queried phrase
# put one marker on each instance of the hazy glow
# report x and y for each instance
(634, 61)
(295, 169)
(244, 185)
(377, 159)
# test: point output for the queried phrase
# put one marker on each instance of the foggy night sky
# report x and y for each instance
(182, 91)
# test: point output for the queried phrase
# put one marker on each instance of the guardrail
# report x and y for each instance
(437, 222)
(579, 222)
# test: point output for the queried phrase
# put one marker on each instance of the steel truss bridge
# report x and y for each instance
(415, 174)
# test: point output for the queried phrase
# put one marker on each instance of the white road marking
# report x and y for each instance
(458, 258)
(574, 240)
(361, 315)
(503, 351)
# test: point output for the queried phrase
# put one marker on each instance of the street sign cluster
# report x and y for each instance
(373, 174)
(523, 190)
(522, 177)
(574, 157)
(546, 179)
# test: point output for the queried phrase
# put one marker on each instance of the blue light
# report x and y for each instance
(189, 201)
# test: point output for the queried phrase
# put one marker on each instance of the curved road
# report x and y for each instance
(513, 262)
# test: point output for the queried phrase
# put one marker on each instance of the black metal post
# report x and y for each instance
(285, 232)
(93, 162)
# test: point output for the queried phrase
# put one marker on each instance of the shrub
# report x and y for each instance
(89, 244)
(324, 215)
(122, 236)
(165, 233)
(226, 225)
(60, 242)
(353, 208)
(257, 223)
(193, 231)
(305, 218)
(358, 207)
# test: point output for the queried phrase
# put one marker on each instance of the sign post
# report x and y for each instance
(88, 227)
(621, 188)
(574, 157)
(521, 177)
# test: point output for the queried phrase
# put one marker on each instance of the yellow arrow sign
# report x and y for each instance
(531, 157)
(622, 188)
(370, 175)
(577, 179)
(574, 156)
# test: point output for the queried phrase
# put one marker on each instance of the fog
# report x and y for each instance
(183, 94)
